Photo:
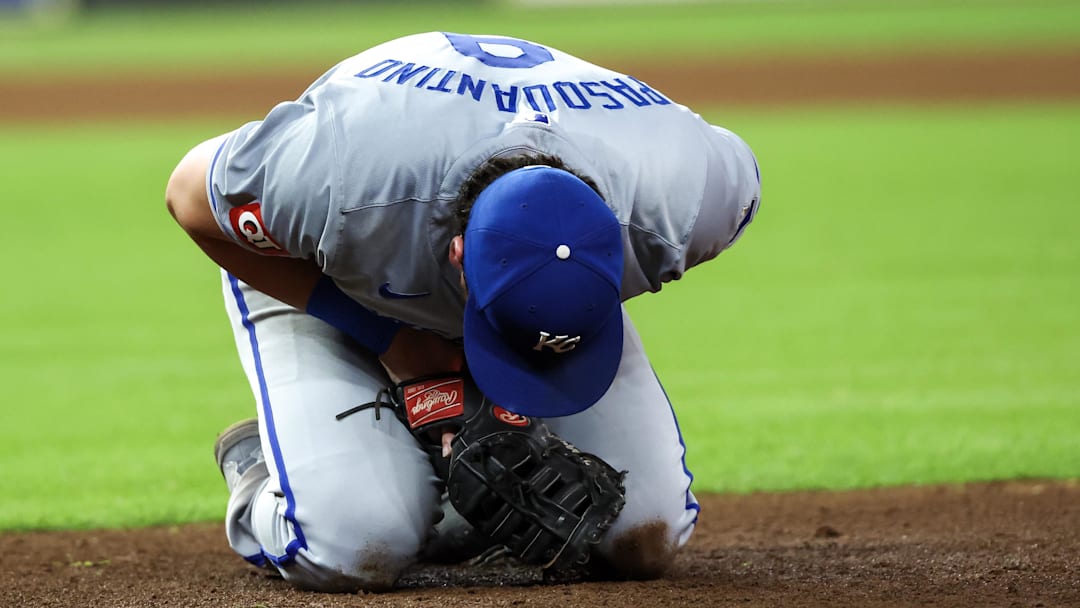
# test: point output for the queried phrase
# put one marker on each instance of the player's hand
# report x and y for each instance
(415, 353)
(447, 440)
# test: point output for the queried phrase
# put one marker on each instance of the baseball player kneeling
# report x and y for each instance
(424, 260)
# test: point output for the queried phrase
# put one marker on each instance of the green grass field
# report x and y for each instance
(902, 311)
(287, 35)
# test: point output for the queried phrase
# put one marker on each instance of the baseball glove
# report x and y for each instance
(517, 483)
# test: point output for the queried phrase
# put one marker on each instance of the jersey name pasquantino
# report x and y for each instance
(608, 94)
(247, 223)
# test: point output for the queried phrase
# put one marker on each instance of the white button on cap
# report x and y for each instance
(562, 252)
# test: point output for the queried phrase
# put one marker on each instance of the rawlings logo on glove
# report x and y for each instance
(428, 401)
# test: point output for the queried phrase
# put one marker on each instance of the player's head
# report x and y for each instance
(543, 320)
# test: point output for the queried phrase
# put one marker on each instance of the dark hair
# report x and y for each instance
(495, 168)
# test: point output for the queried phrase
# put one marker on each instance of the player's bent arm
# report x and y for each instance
(290, 280)
(298, 282)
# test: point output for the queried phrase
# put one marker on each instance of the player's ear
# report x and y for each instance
(457, 252)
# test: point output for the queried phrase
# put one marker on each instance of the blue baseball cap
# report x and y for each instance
(543, 318)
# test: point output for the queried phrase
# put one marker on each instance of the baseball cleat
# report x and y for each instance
(237, 448)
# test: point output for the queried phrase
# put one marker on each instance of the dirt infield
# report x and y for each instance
(994, 544)
(997, 544)
(913, 78)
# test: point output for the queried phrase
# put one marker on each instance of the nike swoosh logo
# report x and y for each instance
(384, 291)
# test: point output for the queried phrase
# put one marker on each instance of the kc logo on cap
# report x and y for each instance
(559, 344)
(543, 321)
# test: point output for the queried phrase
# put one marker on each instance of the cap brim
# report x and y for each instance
(509, 379)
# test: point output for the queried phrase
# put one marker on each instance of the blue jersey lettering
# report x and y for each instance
(549, 103)
(476, 88)
(613, 104)
(651, 93)
(507, 100)
(540, 97)
(572, 95)
(378, 68)
(427, 77)
(405, 73)
(620, 87)
(529, 54)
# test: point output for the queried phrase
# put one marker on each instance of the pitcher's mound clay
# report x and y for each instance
(996, 544)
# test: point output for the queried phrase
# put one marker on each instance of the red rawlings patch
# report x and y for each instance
(433, 400)
(509, 417)
(247, 223)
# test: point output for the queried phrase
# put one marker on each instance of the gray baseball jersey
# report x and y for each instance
(359, 173)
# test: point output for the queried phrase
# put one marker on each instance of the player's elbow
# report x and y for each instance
(174, 201)
(185, 193)
(179, 202)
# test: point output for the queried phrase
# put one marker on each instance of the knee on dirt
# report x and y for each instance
(643, 552)
(367, 553)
